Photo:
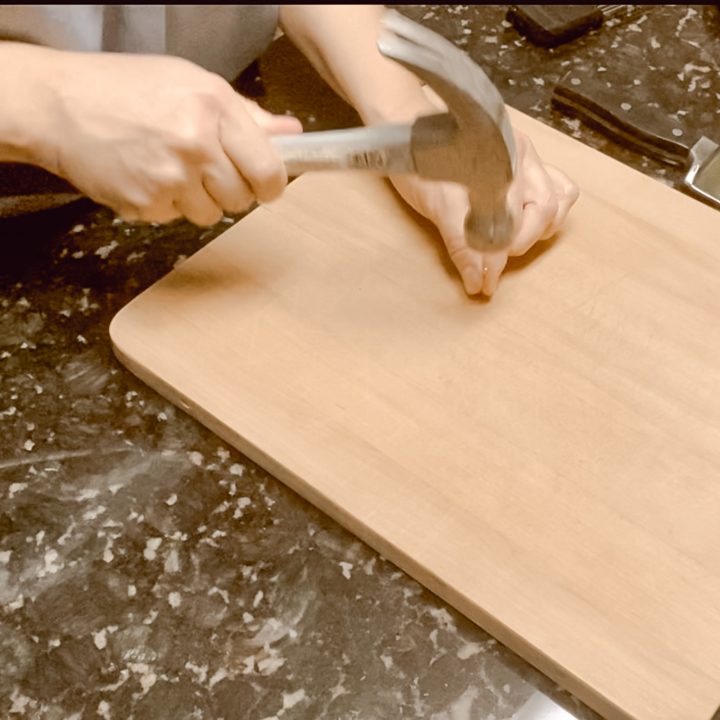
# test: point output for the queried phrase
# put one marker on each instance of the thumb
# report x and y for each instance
(270, 123)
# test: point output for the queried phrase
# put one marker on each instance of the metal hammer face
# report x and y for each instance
(473, 143)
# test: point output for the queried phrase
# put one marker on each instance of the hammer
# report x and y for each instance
(472, 144)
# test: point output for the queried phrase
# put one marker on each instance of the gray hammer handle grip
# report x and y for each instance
(379, 148)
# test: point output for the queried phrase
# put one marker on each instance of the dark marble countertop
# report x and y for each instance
(147, 569)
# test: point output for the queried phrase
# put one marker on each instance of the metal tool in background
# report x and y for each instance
(645, 130)
(552, 25)
(471, 144)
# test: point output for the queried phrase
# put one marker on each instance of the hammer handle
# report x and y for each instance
(379, 148)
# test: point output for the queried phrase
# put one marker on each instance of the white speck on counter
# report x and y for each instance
(222, 593)
(147, 677)
(5, 557)
(19, 702)
(677, 132)
(94, 512)
(237, 469)
(387, 661)
(131, 591)
(100, 639)
(199, 670)
(28, 445)
(681, 25)
(258, 598)
(103, 710)
(196, 458)
(16, 488)
(51, 567)
(218, 675)
(105, 250)
(172, 561)
(346, 569)
(17, 603)
(443, 618)
(149, 553)
(174, 599)
(108, 556)
(292, 699)
(248, 618)
(268, 666)
(171, 500)
(468, 650)
(242, 503)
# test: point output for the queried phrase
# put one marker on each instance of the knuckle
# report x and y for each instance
(171, 177)
(191, 143)
(205, 218)
(572, 192)
(548, 204)
(159, 215)
(216, 89)
(239, 203)
(268, 178)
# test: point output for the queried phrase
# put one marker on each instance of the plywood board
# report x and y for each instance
(548, 462)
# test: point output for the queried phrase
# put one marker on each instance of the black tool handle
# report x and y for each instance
(631, 123)
(551, 25)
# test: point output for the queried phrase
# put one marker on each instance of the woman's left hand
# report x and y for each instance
(539, 199)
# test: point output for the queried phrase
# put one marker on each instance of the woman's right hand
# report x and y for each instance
(157, 138)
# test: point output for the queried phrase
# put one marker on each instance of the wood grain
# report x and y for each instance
(547, 461)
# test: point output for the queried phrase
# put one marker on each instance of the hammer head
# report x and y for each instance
(473, 143)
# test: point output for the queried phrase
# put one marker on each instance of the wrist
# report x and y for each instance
(24, 116)
(421, 101)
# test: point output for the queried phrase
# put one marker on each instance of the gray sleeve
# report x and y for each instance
(66, 27)
(221, 38)
(224, 39)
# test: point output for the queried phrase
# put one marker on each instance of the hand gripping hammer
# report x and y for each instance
(471, 144)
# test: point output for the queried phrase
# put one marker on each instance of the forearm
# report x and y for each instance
(341, 43)
(23, 89)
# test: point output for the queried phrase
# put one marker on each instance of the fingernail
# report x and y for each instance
(472, 280)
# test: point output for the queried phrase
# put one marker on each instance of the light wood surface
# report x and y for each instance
(548, 462)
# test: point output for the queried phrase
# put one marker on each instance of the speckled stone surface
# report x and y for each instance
(147, 570)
